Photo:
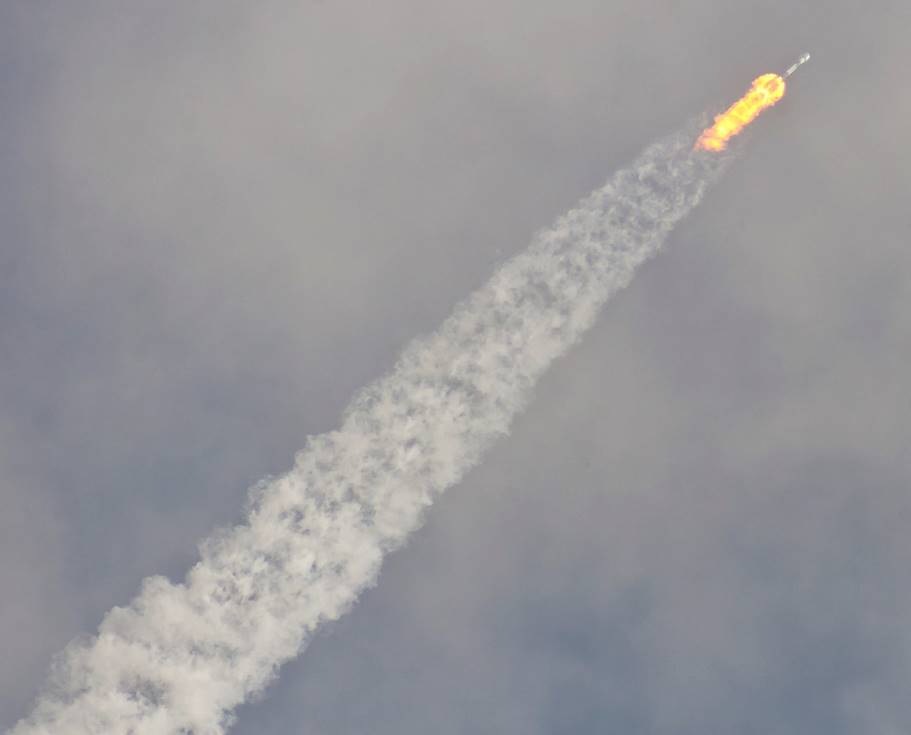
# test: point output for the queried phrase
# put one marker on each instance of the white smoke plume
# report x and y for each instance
(181, 657)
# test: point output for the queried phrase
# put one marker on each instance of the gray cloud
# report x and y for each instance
(712, 539)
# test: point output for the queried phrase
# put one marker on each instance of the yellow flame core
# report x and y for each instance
(765, 92)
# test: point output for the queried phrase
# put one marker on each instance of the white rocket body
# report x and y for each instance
(802, 60)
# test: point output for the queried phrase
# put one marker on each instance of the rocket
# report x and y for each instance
(802, 60)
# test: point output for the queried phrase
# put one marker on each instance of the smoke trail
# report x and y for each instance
(181, 657)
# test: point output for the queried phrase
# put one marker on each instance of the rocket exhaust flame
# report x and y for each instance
(765, 92)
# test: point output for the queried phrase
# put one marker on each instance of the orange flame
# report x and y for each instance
(765, 92)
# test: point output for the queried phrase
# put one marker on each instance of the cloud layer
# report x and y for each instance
(188, 289)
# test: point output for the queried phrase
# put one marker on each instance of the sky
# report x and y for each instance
(219, 220)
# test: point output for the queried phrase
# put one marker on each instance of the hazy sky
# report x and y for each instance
(220, 219)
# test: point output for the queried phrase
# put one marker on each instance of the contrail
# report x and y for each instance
(181, 657)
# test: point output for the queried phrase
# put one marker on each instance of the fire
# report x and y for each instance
(765, 92)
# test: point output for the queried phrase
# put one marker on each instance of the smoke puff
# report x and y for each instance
(181, 657)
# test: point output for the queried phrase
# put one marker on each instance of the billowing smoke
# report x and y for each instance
(181, 657)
